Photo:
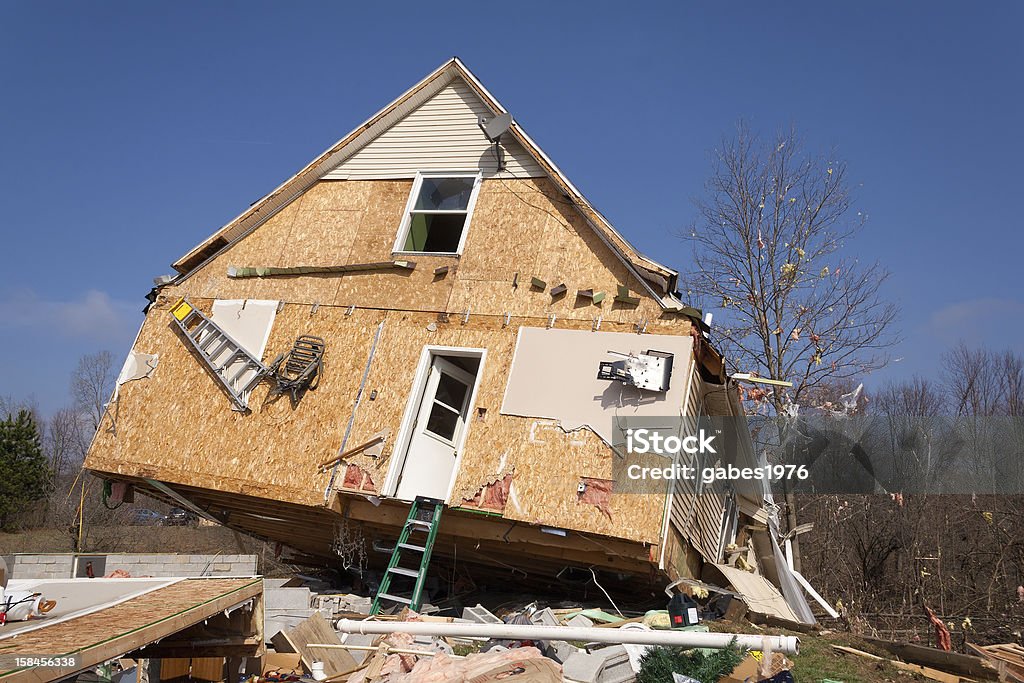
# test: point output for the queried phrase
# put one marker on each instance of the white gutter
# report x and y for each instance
(789, 645)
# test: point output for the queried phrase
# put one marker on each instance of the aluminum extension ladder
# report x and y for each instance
(235, 368)
(424, 518)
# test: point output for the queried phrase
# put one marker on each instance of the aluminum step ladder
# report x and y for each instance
(423, 520)
(237, 370)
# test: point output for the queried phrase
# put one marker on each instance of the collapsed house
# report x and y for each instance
(422, 312)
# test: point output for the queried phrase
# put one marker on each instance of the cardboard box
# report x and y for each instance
(747, 670)
(282, 662)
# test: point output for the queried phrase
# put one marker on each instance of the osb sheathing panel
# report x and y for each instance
(518, 227)
(177, 426)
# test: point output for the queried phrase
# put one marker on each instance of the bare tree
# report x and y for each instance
(769, 249)
(66, 441)
(91, 385)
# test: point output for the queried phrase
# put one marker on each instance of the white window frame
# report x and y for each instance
(417, 185)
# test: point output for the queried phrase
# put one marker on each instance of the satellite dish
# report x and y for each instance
(496, 127)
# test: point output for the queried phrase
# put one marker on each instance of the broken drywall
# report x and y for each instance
(137, 366)
(554, 376)
(247, 321)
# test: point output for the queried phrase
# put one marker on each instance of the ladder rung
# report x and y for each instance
(238, 375)
(405, 572)
(394, 598)
(227, 361)
(419, 523)
(197, 330)
(411, 546)
(224, 345)
(207, 339)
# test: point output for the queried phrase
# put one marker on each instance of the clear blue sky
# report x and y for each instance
(130, 131)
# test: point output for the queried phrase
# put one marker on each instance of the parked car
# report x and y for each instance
(144, 517)
(180, 517)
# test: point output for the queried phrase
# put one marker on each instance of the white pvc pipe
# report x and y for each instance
(789, 645)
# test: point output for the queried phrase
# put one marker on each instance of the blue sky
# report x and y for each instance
(130, 131)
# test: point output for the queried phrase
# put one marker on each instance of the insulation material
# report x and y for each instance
(137, 366)
(554, 375)
(247, 321)
(492, 496)
(597, 492)
(358, 479)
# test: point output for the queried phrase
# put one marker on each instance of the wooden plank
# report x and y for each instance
(965, 665)
(933, 674)
(1010, 669)
(316, 630)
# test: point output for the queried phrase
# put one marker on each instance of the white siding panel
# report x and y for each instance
(439, 135)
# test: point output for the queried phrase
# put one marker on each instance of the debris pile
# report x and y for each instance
(533, 643)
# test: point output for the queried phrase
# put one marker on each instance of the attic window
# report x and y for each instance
(438, 212)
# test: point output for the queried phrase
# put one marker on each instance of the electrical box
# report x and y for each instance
(651, 370)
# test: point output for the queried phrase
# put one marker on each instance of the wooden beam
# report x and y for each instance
(965, 665)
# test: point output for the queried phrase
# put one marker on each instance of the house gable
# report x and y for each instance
(657, 280)
(442, 134)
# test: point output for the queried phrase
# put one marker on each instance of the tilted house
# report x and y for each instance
(465, 293)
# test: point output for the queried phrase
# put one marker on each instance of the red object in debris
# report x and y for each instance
(941, 632)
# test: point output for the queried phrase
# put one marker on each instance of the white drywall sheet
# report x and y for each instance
(554, 376)
(248, 322)
(137, 366)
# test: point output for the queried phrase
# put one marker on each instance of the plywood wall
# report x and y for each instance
(177, 426)
(519, 229)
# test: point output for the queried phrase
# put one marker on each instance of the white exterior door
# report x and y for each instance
(436, 432)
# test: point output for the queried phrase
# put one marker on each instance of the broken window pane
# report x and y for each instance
(439, 214)
(444, 194)
(451, 392)
(435, 232)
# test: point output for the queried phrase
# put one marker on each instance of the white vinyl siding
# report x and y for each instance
(440, 135)
(699, 511)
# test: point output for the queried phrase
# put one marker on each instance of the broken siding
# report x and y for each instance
(699, 511)
(440, 135)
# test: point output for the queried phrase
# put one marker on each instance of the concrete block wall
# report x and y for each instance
(182, 565)
(47, 566)
(62, 566)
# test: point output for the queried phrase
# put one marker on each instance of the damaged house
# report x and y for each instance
(423, 311)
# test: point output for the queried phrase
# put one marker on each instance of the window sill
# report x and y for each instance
(447, 254)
